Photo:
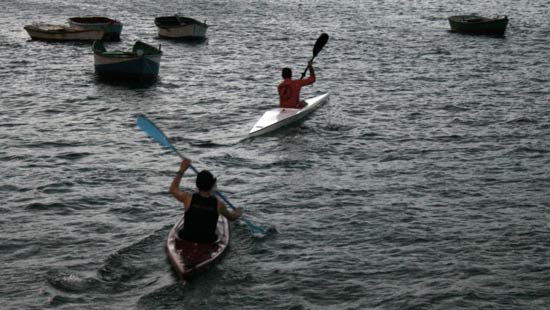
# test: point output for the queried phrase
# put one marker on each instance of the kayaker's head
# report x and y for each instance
(287, 73)
(205, 181)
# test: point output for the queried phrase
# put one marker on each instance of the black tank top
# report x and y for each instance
(201, 220)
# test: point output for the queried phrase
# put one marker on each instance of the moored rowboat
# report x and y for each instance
(279, 117)
(178, 27)
(48, 32)
(142, 62)
(478, 25)
(188, 257)
(112, 28)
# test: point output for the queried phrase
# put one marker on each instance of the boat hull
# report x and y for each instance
(187, 257)
(280, 117)
(185, 32)
(144, 67)
(62, 33)
(112, 28)
(478, 25)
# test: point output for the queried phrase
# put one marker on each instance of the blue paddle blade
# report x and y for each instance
(153, 131)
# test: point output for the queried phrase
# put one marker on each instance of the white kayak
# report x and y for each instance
(280, 117)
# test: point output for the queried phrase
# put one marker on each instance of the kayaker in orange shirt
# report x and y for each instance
(289, 89)
(201, 208)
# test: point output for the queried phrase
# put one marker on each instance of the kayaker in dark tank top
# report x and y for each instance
(201, 208)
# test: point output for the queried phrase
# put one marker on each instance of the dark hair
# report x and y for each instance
(205, 181)
(287, 73)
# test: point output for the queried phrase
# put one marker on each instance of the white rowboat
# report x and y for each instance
(178, 27)
(280, 117)
(50, 32)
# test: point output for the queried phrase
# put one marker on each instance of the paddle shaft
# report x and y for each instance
(305, 70)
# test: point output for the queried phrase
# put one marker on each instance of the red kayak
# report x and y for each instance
(187, 257)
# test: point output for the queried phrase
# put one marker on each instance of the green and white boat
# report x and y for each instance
(142, 62)
(179, 27)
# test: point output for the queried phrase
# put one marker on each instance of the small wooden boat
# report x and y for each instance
(111, 27)
(50, 32)
(142, 62)
(279, 117)
(188, 257)
(475, 24)
(177, 27)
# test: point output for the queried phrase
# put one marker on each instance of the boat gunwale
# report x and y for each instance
(127, 54)
(188, 21)
(106, 20)
(461, 19)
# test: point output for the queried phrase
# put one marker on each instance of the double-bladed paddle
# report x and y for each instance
(319, 44)
(154, 132)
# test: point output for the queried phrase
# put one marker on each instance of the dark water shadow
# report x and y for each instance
(84, 43)
(296, 128)
(188, 41)
(481, 35)
(210, 143)
(131, 83)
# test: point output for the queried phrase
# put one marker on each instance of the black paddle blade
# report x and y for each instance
(323, 39)
(319, 44)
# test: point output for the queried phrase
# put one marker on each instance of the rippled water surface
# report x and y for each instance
(423, 184)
